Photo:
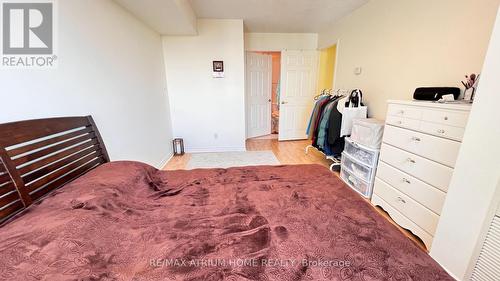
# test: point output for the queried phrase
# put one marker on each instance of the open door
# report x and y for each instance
(298, 88)
(258, 94)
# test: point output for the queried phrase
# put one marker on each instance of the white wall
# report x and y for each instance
(471, 200)
(111, 67)
(280, 41)
(401, 45)
(209, 113)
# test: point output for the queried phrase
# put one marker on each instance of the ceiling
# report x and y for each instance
(168, 17)
(178, 17)
(287, 16)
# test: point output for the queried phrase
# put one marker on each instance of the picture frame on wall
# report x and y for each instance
(218, 69)
(218, 66)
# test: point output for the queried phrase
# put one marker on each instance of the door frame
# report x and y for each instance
(336, 62)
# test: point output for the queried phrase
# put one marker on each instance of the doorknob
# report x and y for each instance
(284, 102)
(269, 100)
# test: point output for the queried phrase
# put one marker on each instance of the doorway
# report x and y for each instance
(263, 70)
(327, 67)
(279, 93)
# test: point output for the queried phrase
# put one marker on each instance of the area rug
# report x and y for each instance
(232, 159)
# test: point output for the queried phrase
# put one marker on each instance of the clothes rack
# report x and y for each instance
(336, 161)
(333, 93)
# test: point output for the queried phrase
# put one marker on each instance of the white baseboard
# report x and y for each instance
(164, 161)
(215, 149)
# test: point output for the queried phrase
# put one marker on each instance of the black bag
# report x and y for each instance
(435, 93)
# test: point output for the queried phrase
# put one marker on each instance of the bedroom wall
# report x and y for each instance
(280, 41)
(209, 113)
(111, 67)
(473, 194)
(401, 45)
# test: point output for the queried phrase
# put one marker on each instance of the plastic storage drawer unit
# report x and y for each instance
(356, 183)
(359, 170)
(361, 153)
(368, 132)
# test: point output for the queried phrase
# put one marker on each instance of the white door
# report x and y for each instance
(258, 94)
(298, 88)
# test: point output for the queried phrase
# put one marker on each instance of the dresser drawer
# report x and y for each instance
(427, 195)
(445, 131)
(438, 149)
(403, 221)
(425, 170)
(413, 124)
(404, 111)
(446, 117)
(415, 212)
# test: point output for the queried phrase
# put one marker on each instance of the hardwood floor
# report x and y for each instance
(289, 153)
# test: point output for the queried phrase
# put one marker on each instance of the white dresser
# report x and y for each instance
(420, 146)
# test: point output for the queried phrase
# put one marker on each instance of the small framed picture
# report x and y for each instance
(218, 66)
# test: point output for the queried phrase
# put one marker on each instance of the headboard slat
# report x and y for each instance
(67, 178)
(6, 188)
(52, 149)
(24, 131)
(9, 198)
(4, 177)
(60, 155)
(61, 172)
(59, 164)
(10, 210)
(47, 142)
(39, 156)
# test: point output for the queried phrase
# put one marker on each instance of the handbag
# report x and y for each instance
(355, 98)
(354, 109)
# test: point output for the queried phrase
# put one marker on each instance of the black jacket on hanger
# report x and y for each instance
(335, 142)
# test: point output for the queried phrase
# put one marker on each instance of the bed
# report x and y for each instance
(68, 213)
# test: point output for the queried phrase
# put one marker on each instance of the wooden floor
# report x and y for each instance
(289, 153)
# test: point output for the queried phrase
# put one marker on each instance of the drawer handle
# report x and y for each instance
(401, 200)
(399, 122)
(446, 118)
(415, 139)
(401, 112)
(441, 131)
(406, 181)
(411, 160)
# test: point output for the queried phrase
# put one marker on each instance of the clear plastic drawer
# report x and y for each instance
(356, 183)
(359, 170)
(361, 153)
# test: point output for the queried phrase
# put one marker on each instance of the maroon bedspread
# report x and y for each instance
(128, 221)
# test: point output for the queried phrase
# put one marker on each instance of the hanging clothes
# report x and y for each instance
(314, 114)
(323, 126)
(316, 121)
(335, 140)
(326, 122)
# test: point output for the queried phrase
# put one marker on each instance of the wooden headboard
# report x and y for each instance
(39, 156)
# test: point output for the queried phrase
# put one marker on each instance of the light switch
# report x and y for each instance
(358, 70)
